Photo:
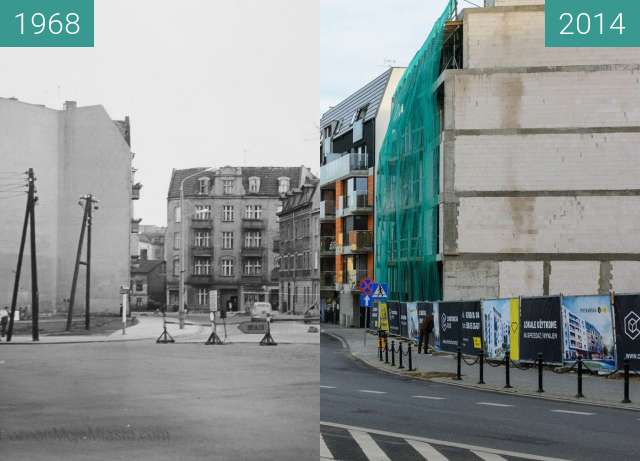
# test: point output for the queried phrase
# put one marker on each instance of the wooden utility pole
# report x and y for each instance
(76, 268)
(89, 205)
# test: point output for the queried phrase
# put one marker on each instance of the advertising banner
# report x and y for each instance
(541, 329)
(412, 321)
(393, 309)
(449, 326)
(435, 310)
(627, 314)
(404, 327)
(500, 322)
(587, 327)
(373, 316)
(471, 327)
(383, 317)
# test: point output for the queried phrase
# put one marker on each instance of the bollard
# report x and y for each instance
(507, 373)
(380, 344)
(386, 350)
(540, 388)
(400, 356)
(579, 395)
(626, 382)
(410, 359)
(393, 353)
(481, 381)
(459, 369)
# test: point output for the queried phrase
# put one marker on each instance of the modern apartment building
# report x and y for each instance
(228, 226)
(351, 133)
(74, 152)
(299, 258)
(538, 192)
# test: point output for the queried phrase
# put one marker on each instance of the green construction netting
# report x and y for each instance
(407, 181)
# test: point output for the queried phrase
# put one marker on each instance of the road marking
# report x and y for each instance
(369, 446)
(443, 443)
(429, 397)
(427, 451)
(325, 453)
(492, 404)
(488, 456)
(371, 392)
(570, 412)
(327, 387)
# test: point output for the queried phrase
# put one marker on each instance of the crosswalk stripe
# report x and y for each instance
(488, 456)
(429, 397)
(492, 404)
(569, 412)
(369, 446)
(371, 392)
(325, 453)
(327, 387)
(427, 451)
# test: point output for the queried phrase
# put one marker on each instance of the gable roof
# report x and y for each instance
(369, 95)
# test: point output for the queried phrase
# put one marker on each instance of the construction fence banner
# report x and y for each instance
(413, 324)
(449, 328)
(587, 327)
(471, 327)
(393, 309)
(627, 318)
(541, 329)
(404, 326)
(383, 317)
(373, 316)
(501, 324)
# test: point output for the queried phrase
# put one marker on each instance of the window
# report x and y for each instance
(176, 267)
(144, 254)
(203, 212)
(227, 240)
(177, 214)
(227, 185)
(253, 266)
(315, 260)
(227, 267)
(202, 266)
(283, 185)
(202, 239)
(253, 212)
(254, 184)
(227, 213)
(176, 240)
(203, 186)
(252, 239)
(138, 302)
(139, 285)
(203, 297)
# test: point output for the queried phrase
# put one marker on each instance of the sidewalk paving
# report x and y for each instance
(442, 368)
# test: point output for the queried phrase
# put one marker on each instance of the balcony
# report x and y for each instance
(200, 279)
(252, 279)
(253, 224)
(202, 223)
(354, 277)
(252, 250)
(306, 273)
(359, 241)
(135, 226)
(354, 164)
(201, 250)
(276, 246)
(328, 280)
(327, 246)
(328, 209)
(356, 203)
(135, 191)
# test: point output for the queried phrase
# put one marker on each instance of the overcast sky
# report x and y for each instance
(206, 83)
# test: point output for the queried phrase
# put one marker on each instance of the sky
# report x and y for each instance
(206, 83)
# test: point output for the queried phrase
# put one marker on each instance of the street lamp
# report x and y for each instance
(183, 252)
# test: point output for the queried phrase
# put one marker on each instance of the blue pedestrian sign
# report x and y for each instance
(380, 291)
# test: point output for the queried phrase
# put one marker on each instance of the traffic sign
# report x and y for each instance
(366, 286)
(380, 290)
(366, 301)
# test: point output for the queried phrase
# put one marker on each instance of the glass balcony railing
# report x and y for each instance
(327, 209)
(359, 240)
(327, 244)
(341, 167)
(328, 280)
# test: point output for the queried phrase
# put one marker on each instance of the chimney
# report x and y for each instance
(68, 105)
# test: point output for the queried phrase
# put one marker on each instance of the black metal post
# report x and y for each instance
(540, 388)
(481, 381)
(35, 295)
(626, 382)
(380, 344)
(507, 369)
(579, 395)
(410, 359)
(400, 354)
(386, 350)
(393, 353)
(459, 368)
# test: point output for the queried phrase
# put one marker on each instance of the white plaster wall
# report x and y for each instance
(521, 278)
(469, 280)
(574, 277)
(587, 224)
(625, 276)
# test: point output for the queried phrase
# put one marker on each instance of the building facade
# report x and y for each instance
(74, 152)
(350, 136)
(148, 285)
(230, 224)
(148, 243)
(537, 159)
(299, 258)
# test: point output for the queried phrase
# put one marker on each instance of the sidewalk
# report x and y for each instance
(442, 368)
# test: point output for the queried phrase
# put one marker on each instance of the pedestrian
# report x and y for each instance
(426, 328)
(4, 319)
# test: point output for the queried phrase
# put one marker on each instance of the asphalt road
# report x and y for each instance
(142, 401)
(395, 412)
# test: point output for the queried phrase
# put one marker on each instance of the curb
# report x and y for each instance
(516, 393)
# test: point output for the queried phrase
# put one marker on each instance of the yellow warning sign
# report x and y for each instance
(383, 322)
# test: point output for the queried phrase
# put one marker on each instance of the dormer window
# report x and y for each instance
(203, 186)
(283, 185)
(254, 184)
(227, 186)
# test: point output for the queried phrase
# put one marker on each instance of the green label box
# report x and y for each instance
(47, 23)
(592, 23)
